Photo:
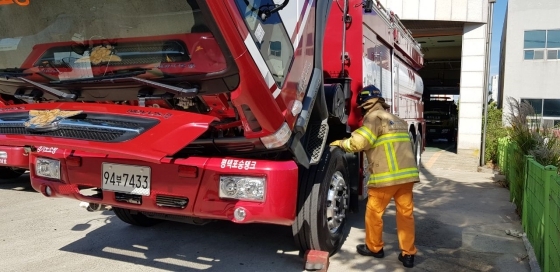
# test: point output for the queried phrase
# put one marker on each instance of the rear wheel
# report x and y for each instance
(323, 202)
(134, 217)
(10, 172)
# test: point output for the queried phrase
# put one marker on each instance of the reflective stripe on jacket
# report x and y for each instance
(384, 139)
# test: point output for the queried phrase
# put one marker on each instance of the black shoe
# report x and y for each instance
(407, 260)
(364, 250)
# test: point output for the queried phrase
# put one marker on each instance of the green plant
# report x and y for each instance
(530, 137)
(524, 125)
(547, 149)
(494, 131)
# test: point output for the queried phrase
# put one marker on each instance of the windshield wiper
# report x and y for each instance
(13, 72)
(119, 74)
(130, 74)
(190, 92)
(17, 73)
(52, 91)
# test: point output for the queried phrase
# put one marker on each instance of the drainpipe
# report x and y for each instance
(487, 79)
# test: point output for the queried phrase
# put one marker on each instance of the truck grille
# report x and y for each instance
(318, 136)
(104, 136)
(171, 201)
(89, 127)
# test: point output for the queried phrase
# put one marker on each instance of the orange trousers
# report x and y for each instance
(378, 199)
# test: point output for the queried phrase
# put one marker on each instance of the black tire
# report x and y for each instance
(10, 172)
(134, 217)
(312, 227)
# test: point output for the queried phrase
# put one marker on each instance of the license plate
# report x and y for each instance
(123, 178)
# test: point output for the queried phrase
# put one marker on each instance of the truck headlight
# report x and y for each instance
(243, 188)
(47, 168)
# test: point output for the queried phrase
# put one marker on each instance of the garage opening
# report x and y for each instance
(442, 46)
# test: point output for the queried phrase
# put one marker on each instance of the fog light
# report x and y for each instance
(243, 188)
(239, 214)
(47, 168)
(3, 157)
(48, 191)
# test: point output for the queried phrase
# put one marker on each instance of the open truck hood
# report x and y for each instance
(141, 133)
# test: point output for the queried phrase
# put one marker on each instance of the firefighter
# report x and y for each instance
(393, 171)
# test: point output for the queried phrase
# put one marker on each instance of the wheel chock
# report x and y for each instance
(316, 260)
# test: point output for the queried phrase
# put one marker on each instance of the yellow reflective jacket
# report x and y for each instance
(384, 139)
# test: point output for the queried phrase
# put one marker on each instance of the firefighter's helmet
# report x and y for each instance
(368, 93)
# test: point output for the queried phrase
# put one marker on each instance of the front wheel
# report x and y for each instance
(10, 172)
(323, 202)
(134, 218)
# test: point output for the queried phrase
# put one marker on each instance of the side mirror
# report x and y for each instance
(368, 6)
(265, 13)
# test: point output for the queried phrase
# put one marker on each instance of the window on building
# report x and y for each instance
(552, 54)
(551, 107)
(553, 39)
(276, 49)
(537, 104)
(542, 44)
(535, 39)
(534, 44)
(553, 44)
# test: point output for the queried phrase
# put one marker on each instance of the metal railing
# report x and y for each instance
(538, 187)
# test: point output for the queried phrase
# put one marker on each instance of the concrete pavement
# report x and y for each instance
(441, 155)
(461, 218)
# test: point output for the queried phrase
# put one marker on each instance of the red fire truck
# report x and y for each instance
(196, 111)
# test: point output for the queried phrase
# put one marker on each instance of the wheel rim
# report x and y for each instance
(337, 202)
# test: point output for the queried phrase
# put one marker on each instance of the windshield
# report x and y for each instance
(67, 39)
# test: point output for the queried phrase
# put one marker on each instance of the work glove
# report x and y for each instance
(336, 143)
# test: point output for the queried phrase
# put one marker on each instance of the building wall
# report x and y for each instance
(494, 87)
(473, 53)
(472, 86)
(538, 79)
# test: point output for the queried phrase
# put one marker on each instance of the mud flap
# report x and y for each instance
(352, 162)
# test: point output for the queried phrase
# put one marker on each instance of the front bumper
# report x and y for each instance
(14, 156)
(82, 170)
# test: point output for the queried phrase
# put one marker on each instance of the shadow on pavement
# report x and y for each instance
(439, 145)
(22, 184)
(218, 246)
(459, 227)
